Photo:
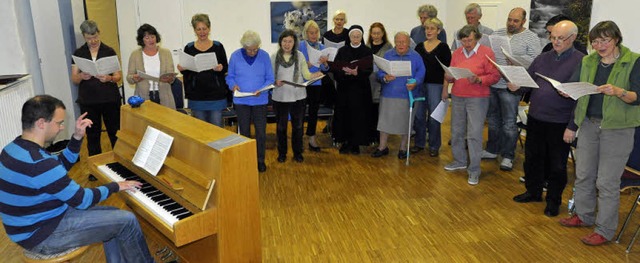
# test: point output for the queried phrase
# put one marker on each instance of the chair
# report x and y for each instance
(523, 110)
(630, 179)
(65, 256)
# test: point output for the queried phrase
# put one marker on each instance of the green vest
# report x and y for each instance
(616, 114)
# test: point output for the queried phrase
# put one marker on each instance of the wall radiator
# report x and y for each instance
(12, 96)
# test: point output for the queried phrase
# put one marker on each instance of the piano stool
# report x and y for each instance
(65, 256)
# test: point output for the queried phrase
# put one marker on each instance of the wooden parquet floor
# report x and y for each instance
(355, 208)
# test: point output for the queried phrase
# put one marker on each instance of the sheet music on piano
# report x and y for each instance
(153, 150)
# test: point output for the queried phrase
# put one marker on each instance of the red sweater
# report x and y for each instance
(479, 65)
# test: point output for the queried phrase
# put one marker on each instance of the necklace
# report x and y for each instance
(615, 58)
(606, 65)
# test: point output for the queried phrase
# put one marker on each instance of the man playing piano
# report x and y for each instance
(46, 212)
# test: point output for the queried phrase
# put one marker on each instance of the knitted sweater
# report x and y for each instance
(35, 190)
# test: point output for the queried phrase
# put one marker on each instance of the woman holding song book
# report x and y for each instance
(607, 123)
(311, 35)
(97, 95)
(379, 44)
(154, 62)
(469, 101)
(207, 89)
(431, 50)
(290, 65)
(250, 71)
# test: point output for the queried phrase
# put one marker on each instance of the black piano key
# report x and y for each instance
(156, 195)
(179, 211)
(166, 202)
(172, 207)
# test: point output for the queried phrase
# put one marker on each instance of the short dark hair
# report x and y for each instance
(606, 28)
(41, 106)
(466, 31)
(289, 33)
(148, 29)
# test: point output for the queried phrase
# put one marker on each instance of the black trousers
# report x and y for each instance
(546, 152)
(258, 114)
(107, 112)
(283, 111)
(314, 98)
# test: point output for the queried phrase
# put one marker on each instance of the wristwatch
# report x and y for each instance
(623, 94)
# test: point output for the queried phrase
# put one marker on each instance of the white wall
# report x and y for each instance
(230, 18)
(11, 50)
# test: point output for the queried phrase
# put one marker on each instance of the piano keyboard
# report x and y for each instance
(168, 210)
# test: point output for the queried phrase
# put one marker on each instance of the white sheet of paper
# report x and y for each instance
(456, 73)
(153, 150)
(247, 94)
(146, 76)
(515, 60)
(440, 111)
(314, 54)
(328, 43)
(201, 62)
(516, 75)
(102, 66)
(330, 53)
(575, 90)
(396, 68)
(497, 44)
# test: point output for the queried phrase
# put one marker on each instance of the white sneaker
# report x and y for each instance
(474, 179)
(488, 155)
(506, 164)
(455, 166)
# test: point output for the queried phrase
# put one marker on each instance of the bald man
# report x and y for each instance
(550, 129)
(503, 104)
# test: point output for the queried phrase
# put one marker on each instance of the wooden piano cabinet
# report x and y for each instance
(210, 171)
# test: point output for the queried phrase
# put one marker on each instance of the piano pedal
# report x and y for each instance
(161, 251)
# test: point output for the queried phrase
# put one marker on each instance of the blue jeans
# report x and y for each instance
(501, 119)
(420, 120)
(433, 95)
(211, 116)
(117, 229)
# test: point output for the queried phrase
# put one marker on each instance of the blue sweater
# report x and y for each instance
(303, 48)
(35, 190)
(250, 78)
(398, 87)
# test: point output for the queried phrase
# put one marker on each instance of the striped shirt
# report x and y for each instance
(525, 44)
(35, 190)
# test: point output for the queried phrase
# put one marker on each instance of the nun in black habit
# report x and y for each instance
(351, 67)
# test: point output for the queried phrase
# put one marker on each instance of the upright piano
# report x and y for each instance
(203, 205)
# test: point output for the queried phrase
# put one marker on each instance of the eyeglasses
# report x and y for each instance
(601, 42)
(560, 38)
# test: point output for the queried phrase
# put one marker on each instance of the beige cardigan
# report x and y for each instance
(142, 88)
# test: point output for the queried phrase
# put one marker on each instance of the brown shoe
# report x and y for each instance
(594, 239)
(573, 221)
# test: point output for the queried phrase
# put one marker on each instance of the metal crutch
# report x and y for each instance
(411, 101)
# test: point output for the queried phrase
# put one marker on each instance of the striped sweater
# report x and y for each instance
(35, 190)
(525, 44)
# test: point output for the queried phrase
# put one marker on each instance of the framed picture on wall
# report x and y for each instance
(543, 10)
(294, 14)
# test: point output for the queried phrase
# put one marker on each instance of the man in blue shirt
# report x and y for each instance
(45, 211)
